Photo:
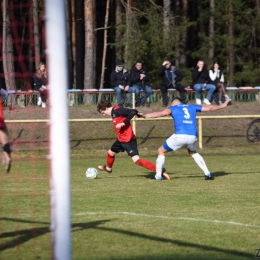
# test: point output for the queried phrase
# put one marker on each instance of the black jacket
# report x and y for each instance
(177, 76)
(119, 78)
(199, 77)
(39, 82)
(135, 76)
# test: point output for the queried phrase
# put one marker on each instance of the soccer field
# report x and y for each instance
(127, 215)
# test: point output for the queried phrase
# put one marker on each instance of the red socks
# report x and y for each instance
(146, 164)
(110, 160)
(143, 163)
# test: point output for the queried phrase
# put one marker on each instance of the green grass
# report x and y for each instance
(126, 215)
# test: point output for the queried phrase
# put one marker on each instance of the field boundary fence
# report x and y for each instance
(92, 96)
(99, 133)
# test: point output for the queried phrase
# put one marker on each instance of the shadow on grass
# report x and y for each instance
(25, 235)
(22, 236)
(95, 225)
(175, 176)
(215, 174)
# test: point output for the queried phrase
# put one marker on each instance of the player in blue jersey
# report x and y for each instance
(184, 117)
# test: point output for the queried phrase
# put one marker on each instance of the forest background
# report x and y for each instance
(102, 32)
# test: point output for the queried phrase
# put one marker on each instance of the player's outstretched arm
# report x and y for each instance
(214, 108)
(156, 114)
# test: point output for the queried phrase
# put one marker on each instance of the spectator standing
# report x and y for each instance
(200, 77)
(40, 79)
(139, 78)
(170, 78)
(120, 81)
(216, 77)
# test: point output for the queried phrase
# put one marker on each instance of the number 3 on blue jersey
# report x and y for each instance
(186, 113)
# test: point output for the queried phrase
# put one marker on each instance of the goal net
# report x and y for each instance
(35, 195)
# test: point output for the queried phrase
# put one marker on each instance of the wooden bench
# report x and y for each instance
(78, 96)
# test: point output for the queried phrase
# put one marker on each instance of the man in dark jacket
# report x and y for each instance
(139, 77)
(200, 77)
(170, 78)
(120, 81)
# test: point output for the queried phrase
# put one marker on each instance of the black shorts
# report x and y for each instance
(129, 147)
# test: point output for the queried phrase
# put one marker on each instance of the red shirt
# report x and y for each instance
(2, 122)
(1, 108)
(120, 115)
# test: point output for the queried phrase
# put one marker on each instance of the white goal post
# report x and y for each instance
(57, 60)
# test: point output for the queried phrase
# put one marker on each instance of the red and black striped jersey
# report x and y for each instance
(123, 115)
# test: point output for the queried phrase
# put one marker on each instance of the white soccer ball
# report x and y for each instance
(91, 173)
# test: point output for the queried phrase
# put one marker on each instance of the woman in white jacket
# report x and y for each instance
(216, 77)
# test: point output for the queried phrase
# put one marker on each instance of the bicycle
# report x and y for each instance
(253, 131)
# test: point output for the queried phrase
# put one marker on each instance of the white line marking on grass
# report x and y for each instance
(165, 217)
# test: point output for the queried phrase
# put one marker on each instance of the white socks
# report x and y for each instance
(201, 163)
(159, 165)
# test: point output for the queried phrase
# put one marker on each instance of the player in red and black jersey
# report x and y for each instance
(4, 140)
(126, 139)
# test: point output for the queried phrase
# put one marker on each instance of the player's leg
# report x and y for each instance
(198, 158)
(115, 148)
(131, 149)
(160, 161)
(143, 163)
(173, 143)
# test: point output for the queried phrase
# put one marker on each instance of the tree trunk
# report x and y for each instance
(183, 46)
(211, 29)
(105, 46)
(8, 52)
(257, 4)
(31, 62)
(36, 34)
(73, 41)
(230, 44)
(79, 10)
(89, 68)
(177, 35)
(118, 33)
(69, 32)
(166, 19)
(131, 7)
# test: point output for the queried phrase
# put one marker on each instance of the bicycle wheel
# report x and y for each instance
(253, 131)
